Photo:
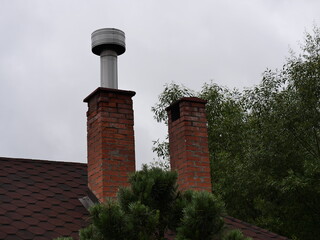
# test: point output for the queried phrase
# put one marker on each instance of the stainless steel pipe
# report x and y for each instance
(108, 43)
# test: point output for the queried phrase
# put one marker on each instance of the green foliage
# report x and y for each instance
(171, 93)
(154, 188)
(235, 235)
(142, 221)
(161, 148)
(90, 233)
(181, 202)
(280, 176)
(201, 218)
(151, 206)
(264, 144)
(108, 222)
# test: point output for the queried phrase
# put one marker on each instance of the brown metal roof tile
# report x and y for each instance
(39, 196)
(40, 238)
(19, 203)
(8, 207)
(41, 185)
(58, 222)
(9, 170)
(5, 199)
(8, 229)
(74, 213)
(19, 224)
(5, 220)
(46, 226)
(58, 209)
(55, 189)
(69, 205)
(52, 234)
(14, 195)
(63, 231)
(24, 234)
(47, 193)
(40, 216)
(71, 226)
(30, 200)
(3, 235)
(44, 204)
(23, 191)
(34, 189)
(13, 216)
(36, 197)
(73, 184)
(55, 200)
(40, 201)
(36, 230)
(12, 237)
(5, 180)
(35, 208)
(31, 220)
(66, 217)
(32, 171)
(24, 212)
(49, 212)
(20, 185)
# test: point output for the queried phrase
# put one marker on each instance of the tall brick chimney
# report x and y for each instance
(188, 143)
(111, 153)
(110, 134)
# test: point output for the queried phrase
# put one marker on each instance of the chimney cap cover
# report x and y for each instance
(108, 39)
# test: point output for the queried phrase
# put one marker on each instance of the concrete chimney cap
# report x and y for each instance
(108, 39)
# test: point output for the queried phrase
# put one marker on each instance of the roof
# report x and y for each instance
(40, 200)
(248, 230)
(252, 231)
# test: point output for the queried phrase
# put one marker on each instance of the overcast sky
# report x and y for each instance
(47, 68)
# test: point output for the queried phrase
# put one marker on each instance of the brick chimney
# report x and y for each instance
(110, 136)
(188, 143)
(111, 153)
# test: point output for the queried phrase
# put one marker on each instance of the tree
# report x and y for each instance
(171, 93)
(151, 206)
(157, 190)
(201, 218)
(264, 144)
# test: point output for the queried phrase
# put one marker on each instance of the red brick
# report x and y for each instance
(110, 140)
(188, 140)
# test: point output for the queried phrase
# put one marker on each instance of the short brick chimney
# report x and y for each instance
(188, 143)
(111, 153)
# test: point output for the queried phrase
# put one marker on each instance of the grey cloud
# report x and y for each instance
(47, 69)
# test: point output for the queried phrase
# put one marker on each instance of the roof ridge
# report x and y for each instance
(41, 160)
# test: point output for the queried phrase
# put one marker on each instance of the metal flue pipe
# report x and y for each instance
(108, 43)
